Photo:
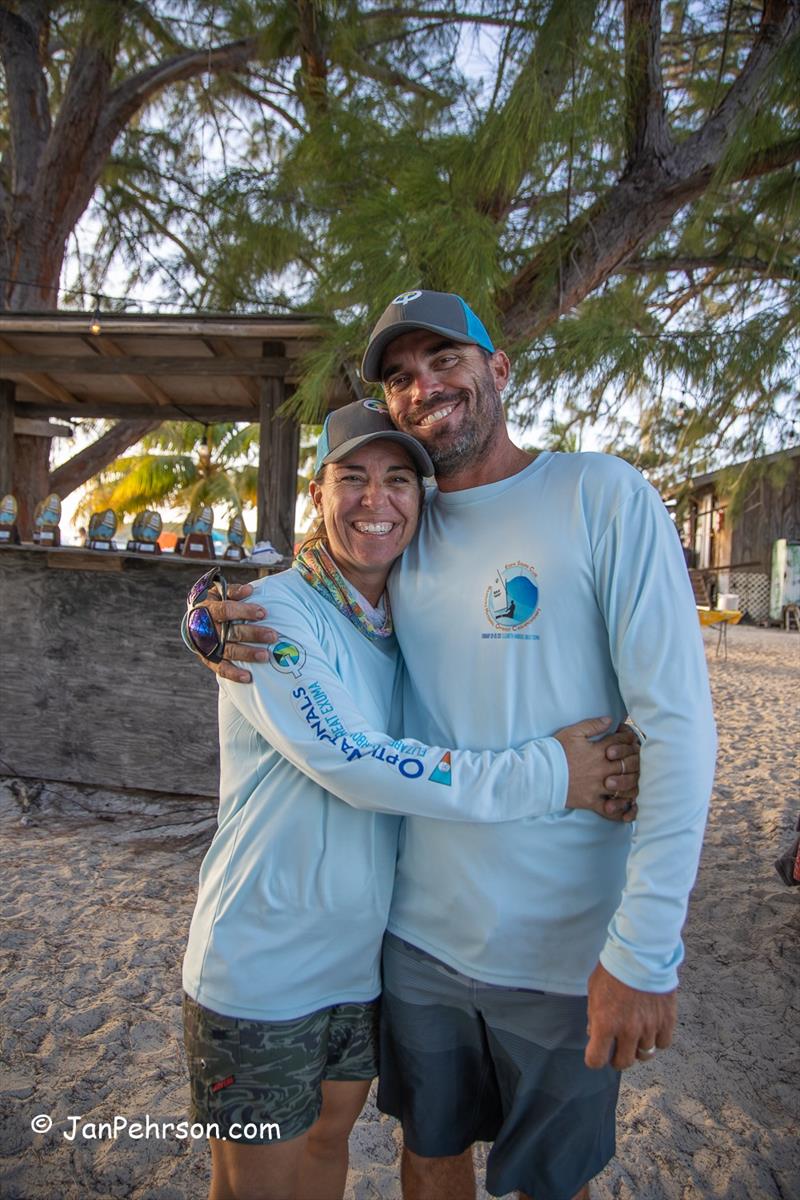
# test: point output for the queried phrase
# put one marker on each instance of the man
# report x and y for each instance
(539, 591)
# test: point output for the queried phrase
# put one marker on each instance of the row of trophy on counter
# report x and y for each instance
(197, 540)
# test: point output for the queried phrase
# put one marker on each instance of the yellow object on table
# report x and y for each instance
(722, 618)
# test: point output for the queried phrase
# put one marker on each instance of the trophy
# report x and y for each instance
(235, 548)
(182, 539)
(9, 534)
(146, 527)
(102, 527)
(45, 521)
(197, 541)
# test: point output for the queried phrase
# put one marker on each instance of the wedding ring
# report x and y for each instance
(622, 764)
(645, 1053)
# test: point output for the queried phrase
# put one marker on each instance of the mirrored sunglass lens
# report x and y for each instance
(202, 631)
(197, 590)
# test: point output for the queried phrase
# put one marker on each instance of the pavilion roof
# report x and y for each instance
(200, 367)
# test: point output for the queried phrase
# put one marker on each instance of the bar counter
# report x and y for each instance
(96, 686)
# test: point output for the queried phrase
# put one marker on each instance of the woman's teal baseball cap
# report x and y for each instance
(365, 421)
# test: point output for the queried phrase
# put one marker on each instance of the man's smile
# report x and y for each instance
(438, 414)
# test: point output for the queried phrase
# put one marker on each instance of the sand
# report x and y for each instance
(97, 892)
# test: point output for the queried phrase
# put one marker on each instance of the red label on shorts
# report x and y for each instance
(223, 1083)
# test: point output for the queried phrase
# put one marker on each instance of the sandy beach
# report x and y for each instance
(97, 893)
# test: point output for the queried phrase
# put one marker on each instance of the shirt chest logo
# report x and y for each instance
(511, 601)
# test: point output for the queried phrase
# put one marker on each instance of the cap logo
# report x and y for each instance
(375, 405)
(406, 297)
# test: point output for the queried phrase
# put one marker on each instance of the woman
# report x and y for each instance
(282, 970)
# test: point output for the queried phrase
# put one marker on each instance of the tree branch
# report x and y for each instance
(717, 262)
(645, 121)
(92, 459)
(763, 162)
(129, 97)
(65, 157)
(383, 74)
(598, 242)
(313, 58)
(259, 98)
(443, 15)
(703, 151)
(98, 116)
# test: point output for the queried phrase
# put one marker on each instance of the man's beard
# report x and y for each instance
(477, 429)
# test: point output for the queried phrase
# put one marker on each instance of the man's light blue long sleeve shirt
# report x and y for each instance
(523, 606)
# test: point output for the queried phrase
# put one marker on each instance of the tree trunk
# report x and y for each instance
(50, 170)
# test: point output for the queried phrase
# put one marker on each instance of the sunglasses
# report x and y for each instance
(199, 633)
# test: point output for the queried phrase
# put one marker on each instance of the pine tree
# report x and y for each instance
(620, 200)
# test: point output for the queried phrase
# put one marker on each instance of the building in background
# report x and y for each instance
(732, 546)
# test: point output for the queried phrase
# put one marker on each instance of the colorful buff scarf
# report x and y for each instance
(318, 568)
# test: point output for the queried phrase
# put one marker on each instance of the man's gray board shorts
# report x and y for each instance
(464, 1061)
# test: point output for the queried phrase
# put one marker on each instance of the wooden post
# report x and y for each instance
(279, 451)
(6, 436)
(31, 478)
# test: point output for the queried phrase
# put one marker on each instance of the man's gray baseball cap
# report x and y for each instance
(440, 312)
(365, 421)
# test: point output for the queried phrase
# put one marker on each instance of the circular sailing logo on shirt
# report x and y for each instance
(512, 598)
(288, 658)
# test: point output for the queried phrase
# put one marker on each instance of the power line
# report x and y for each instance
(157, 302)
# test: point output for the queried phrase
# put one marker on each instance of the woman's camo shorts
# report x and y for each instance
(246, 1077)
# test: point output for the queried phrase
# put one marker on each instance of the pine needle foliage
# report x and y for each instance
(680, 351)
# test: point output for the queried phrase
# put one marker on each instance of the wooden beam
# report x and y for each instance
(107, 348)
(22, 364)
(92, 560)
(41, 428)
(7, 390)
(297, 328)
(215, 409)
(221, 349)
(42, 383)
(278, 457)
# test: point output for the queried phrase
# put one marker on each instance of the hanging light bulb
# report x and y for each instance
(94, 325)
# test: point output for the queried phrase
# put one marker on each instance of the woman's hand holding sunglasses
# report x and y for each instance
(218, 626)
